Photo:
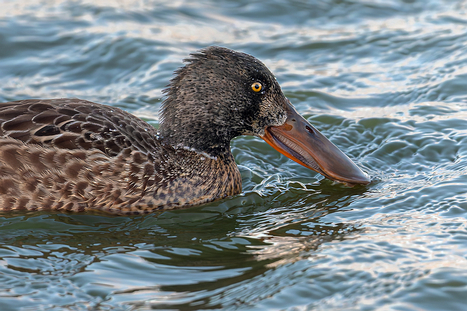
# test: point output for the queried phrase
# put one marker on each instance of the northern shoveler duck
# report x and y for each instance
(75, 155)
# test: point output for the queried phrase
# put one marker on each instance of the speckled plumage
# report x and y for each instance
(75, 155)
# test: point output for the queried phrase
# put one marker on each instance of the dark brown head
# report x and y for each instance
(218, 95)
(221, 94)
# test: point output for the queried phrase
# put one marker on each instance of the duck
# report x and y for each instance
(73, 155)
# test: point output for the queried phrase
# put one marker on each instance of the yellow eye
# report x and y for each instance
(256, 87)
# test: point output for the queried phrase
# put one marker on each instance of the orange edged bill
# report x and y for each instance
(298, 140)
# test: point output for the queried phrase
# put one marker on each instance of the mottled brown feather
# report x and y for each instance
(99, 158)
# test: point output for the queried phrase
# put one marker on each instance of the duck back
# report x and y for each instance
(75, 155)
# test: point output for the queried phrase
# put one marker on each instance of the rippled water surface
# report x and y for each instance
(384, 80)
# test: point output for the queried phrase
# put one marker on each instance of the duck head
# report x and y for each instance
(221, 94)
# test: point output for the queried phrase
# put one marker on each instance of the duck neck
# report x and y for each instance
(206, 141)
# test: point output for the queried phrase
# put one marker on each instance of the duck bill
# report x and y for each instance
(300, 141)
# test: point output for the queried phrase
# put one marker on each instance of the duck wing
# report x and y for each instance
(76, 124)
(75, 155)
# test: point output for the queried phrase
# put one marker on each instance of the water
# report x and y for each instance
(384, 80)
